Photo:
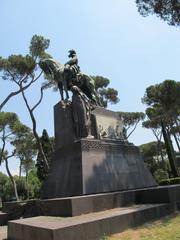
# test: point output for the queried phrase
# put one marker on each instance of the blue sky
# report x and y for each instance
(111, 40)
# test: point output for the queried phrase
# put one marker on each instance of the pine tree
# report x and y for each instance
(48, 148)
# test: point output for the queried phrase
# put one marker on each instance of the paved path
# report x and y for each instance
(3, 232)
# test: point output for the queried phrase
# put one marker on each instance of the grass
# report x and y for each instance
(165, 229)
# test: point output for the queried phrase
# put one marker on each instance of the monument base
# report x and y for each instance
(96, 166)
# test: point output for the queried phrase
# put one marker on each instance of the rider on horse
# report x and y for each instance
(71, 67)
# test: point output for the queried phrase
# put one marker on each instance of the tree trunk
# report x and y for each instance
(176, 140)
(27, 185)
(160, 149)
(170, 151)
(39, 145)
(20, 168)
(12, 180)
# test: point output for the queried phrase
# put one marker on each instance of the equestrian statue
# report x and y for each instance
(68, 75)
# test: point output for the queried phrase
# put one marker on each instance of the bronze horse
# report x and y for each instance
(56, 72)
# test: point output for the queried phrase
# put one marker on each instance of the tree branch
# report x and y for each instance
(40, 100)
(21, 88)
(133, 129)
(3, 147)
(35, 132)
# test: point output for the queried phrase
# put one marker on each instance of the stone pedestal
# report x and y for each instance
(95, 166)
(103, 163)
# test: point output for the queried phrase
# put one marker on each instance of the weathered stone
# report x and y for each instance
(107, 125)
(3, 218)
(95, 166)
(85, 227)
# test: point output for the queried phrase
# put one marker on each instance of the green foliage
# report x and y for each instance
(26, 150)
(163, 101)
(104, 237)
(18, 68)
(100, 82)
(31, 190)
(164, 97)
(10, 129)
(34, 184)
(160, 174)
(152, 154)
(167, 10)
(3, 180)
(7, 190)
(23, 70)
(107, 95)
(38, 46)
(130, 120)
(170, 181)
(48, 148)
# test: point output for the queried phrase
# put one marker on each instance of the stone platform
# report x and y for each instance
(85, 227)
(103, 161)
(75, 206)
(91, 166)
(3, 218)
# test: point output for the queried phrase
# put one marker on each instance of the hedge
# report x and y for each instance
(170, 181)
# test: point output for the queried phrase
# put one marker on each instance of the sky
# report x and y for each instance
(111, 39)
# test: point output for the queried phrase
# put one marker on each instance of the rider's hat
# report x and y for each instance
(71, 52)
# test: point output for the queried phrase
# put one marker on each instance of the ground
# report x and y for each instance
(3, 232)
(165, 229)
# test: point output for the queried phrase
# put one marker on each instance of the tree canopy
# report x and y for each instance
(153, 154)
(11, 129)
(107, 95)
(131, 120)
(167, 10)
(163, 115)
(48, 148)
(22, 70)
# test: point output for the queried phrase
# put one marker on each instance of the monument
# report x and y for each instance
(92, 154)
(98, 184)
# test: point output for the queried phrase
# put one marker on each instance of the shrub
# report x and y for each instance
(170, 181)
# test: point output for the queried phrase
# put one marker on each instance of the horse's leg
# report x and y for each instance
(65, 87)
(60, 87)
(67, 94)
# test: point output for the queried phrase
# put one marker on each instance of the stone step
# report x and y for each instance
(3, 218)
(78, 205)
(88, 226)
(75, 206)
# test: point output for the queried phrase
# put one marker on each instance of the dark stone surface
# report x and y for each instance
(90, 165)
(75, 206)
(86, 227)
(63, 125)
(3, 218)
(94, 166)
(21, 209)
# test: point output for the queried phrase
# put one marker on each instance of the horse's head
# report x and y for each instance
(46, 65)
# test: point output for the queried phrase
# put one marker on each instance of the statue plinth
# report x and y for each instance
(102, 162)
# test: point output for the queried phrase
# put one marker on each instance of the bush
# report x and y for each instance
(160, 175)
(26, 189)
(170, 181)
